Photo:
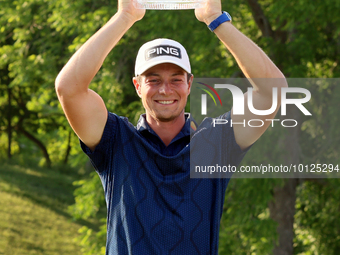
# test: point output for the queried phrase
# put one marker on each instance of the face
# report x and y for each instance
(164, 90)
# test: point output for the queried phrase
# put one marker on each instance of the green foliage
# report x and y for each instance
(93, 243)
(318, 216)
(246, 227)
(88, 200)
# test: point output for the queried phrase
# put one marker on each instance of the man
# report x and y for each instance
(153, 205)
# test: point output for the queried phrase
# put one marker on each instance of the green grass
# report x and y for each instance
(33, 211)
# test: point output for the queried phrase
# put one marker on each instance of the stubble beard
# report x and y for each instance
(162, 118)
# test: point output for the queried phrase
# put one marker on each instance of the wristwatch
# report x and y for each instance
(224, 17)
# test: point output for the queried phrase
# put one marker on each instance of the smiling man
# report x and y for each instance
(153, 206)
(163, 81)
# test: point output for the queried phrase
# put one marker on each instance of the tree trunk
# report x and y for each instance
(282, 208)
(260, 19)
(68, 148)
(38, 143)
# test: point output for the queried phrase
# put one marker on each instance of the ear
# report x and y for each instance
(190, 83)
(137, 86)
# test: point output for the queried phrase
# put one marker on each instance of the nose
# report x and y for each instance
(165, 88)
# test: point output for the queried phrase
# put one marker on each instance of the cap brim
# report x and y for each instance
(144, 68)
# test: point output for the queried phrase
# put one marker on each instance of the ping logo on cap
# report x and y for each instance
(163, 50)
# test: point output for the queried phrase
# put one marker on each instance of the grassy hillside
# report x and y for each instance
(33, 211)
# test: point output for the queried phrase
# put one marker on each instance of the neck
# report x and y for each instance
(166, 130)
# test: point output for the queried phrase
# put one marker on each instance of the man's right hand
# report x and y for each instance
(128, 8)
(84, 108)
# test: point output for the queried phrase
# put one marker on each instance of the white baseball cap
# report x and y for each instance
(160, 51)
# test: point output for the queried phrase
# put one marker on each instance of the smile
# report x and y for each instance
(165, 101)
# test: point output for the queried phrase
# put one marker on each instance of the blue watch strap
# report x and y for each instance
(224, 17)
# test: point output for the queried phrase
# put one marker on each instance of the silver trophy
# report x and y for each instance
(168, 4)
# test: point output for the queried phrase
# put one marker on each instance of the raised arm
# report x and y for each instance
(254, 63)
(85, 109)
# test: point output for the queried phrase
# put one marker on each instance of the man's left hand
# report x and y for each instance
(209, 11)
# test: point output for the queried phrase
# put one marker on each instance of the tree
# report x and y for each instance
(302, 47)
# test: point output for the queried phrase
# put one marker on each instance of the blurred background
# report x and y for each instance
(52, 201)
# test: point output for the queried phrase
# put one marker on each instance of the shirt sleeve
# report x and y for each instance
(101, 156)
(231, 149)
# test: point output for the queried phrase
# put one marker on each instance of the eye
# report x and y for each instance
(177, 80)
(153, 81)
(156, 81)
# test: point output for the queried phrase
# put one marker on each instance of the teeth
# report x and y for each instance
(166, 102)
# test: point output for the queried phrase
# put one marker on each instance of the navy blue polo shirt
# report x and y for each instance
(153, 206)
